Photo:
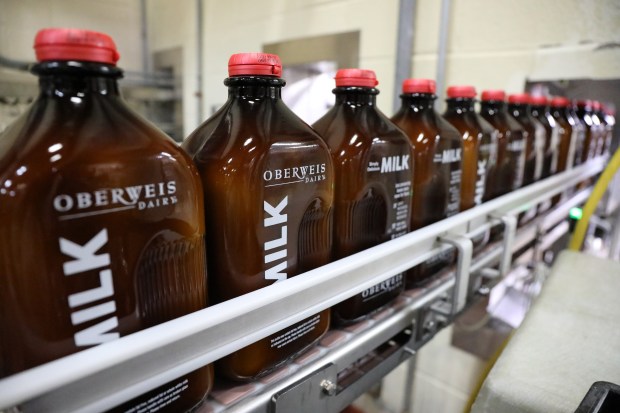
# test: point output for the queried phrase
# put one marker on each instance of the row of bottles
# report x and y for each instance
(122, 226)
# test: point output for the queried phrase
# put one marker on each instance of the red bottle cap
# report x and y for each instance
(519, 98)
(419, 86)
(468, 92)
(254, 64)
(560, 102)
(75, 44)
(584, 103)
(539, 100)
(493, 94)
(596, 105)
(356, 77)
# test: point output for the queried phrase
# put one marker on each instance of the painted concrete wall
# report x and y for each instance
(21, 19)
(244, 25)
(173, 24)
(492, 43)
(501, 43)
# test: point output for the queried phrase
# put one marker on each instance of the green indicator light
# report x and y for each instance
(575, 213)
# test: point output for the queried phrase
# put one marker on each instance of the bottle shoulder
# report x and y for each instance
(426, 125)
(512, 122)
(358, 127)
(246, 131)
(52, 140)
(465, 123)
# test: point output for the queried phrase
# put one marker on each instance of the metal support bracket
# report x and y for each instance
(510, 230)
(316, 391)
(465, 248)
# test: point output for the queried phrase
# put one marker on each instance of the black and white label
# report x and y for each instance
(399, 166)
(448, 157)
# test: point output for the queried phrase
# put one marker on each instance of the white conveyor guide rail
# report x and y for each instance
(102, 377)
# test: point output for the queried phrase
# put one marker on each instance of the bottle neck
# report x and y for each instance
(460, 106)
(356, 96)
(560, 111)
(583, 111)
(77, 79)
(418, 101)
(518, 110)
(539, 110)
(254, 87)
(492, 106)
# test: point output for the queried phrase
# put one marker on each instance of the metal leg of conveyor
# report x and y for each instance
(614, 247)
(408, 393)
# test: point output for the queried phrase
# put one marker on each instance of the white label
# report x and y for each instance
(384, 287)
(402, 201)
(518, 146)
(85, 258)
(539, 147)
(161, 400)
(454, 196)
(448, 156)
(572, 149)
(107, 200)
(297, 174)
(293, 334)
(275, 216)
(555, 148)
(394, 163)
(480, 182)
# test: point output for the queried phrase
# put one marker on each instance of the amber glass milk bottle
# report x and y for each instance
(268, 180)
(519, 108)
(479, 146)
(373, 162)
(610, 122)
(540, 110)
(102, 218)
(511, 144)
(592, 129)
(569, 149)
(599, 120)
(568, 139)
(437, 174)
